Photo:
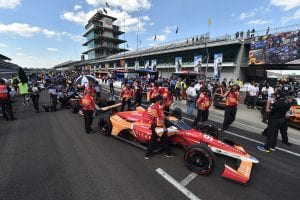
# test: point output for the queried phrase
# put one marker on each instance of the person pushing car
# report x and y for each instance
(156, 111)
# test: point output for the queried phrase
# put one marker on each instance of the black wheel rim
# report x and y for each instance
(200, 161)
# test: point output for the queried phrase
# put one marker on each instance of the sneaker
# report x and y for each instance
(169, 155)
(262, 148)
(146, 158)
(272, 149)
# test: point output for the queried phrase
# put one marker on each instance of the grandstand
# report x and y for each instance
(7, 69)
(235, 52)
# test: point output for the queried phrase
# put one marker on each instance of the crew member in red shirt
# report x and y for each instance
(203, 104)
(154, 92)
(156, 111)
(126, 95)
(88, 105)
(232, 100)
(168, 99)
(5, 101)
(91, 90)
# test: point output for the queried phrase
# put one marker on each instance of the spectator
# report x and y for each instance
(252, 91)
(191, 97)
(126, 95)
(23, 91)
(252, 33)
(35, 96)
(248, 33)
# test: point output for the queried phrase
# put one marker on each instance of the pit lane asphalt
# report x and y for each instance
(49, 156)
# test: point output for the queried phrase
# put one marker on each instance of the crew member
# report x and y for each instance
(157, 113)
(5, 101)
(138, 91)
(88, 105)
(91, 90)
(232, 100)
(154, 92)
(203, 103)
(126, 95)
(277, 113)
(168, 99)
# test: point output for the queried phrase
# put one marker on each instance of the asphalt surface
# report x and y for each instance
(49, 156)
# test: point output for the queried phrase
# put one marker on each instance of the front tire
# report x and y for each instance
(199, 159)
(105, 126)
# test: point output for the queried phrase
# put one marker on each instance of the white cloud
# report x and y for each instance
(169, 29)
(9, 4)
(295, 16)
(245, 15)
(151, 24)
(2, 45)
(253, 12)
(259, 22)
(26, 30)
(127, 5)
(285, 4)
(52, 49)
(146, 18)
(77, 7)
(232, 15)
(23, 30)
(131, 22)
(20, 54)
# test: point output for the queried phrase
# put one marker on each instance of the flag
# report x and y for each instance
(209, 22)
(106, 4)
(155, 37)
(127, 45)
(104, 10)
(176, 30)
(140, 41)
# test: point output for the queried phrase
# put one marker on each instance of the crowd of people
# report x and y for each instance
(162, 93)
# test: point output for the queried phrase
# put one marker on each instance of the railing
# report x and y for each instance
(202, 39)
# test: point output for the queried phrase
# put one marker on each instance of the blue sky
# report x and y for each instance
(38, 33)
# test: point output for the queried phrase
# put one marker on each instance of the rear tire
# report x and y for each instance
(105, 126)
(75, 107)
(199, 159)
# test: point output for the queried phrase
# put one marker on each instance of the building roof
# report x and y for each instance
(98, 15)
(3, 57)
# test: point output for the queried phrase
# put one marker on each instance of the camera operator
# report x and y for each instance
(277, 113)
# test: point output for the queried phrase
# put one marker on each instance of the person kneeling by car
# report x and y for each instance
(88, 105)
(157, 113)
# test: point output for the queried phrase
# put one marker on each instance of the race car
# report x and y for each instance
(200, 144)
(295, 113)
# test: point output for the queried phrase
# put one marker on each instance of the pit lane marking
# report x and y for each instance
(177, 185)
(188, 179)
(255, 141)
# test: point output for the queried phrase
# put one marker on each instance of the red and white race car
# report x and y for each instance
(199, 144)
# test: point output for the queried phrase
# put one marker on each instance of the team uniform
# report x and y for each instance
(88, 105)
(126, 95)
(203, 104)
(156, 111)
(154, 92)
(5, 102)
(232, 100)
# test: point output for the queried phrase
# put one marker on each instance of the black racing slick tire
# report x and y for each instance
(199, 159)
(105, 126)
(75, 108)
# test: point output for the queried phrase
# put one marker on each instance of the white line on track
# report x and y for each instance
(177, 185)
(256, 141)
(188, 179)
